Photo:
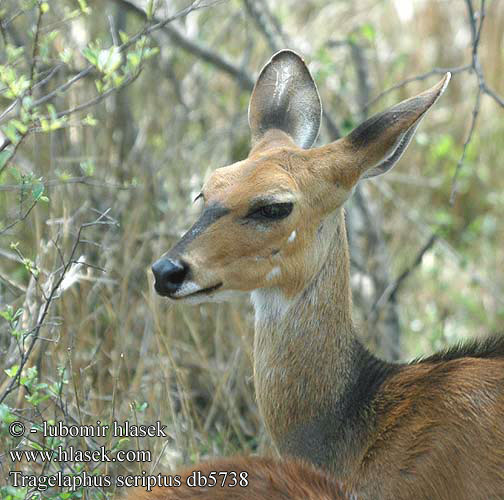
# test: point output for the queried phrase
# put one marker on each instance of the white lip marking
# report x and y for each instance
(217, 296)
(187, 288)
(274, 272)
(292, 237)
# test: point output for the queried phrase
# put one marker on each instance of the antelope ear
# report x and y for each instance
(285, 97)
(380, 141)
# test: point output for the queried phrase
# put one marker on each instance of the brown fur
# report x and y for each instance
(439, 428)
(432, 429)
(268, 479)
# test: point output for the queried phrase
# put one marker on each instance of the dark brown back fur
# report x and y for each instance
(440, 427)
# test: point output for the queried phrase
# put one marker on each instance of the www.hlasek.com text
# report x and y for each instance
(71, 454)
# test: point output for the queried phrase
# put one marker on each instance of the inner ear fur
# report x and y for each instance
(285, 98)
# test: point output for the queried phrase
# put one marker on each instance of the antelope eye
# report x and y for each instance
(275, 211)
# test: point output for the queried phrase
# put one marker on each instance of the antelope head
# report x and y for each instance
(262, 217)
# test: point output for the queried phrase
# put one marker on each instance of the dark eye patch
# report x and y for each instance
(271, 212)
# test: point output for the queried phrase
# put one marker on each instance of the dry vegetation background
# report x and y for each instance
(126, 147)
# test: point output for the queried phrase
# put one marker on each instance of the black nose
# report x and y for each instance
(169, 274)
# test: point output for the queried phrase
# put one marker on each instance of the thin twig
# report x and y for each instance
(469, 137)
(19, 219)
(497, 98)
(89, 181)
(423, 76)
(476, 67)
(35, 332)
(35, 47)
(391, 291)
(195, 48)
(159, 24)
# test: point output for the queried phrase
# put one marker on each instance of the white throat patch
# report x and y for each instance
(269, 304)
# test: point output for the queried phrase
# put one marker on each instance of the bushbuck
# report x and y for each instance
(273, 225)
(264, 479)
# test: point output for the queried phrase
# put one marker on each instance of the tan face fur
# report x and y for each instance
(245, 254)
(234, 247)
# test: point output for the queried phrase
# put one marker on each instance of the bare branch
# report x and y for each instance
(257, 13)
(475, 112)
(35, 332)
(392, 289)
(423, 76)
(195, 48)
(35, 47)
(19, 219)
(159, 24)
(497, 98)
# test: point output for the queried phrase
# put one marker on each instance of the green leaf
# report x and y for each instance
(12, 371)
(150, 52)
(90, 120)
(133, 60)
(84, 7)
(51, 110)
(13, 53)
(37, 191)
(91, 55)
(123, 36)
(27, 102)
(21, 127)
(368, 32)
(149, 12)
(7, 314)
(4, 158)
(11, 132)
(142, 407)
(5, 414)
(444, 146)
(66, 55)
(87, 167)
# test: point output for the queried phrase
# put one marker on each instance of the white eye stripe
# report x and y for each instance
(273, 198)
(292, 236)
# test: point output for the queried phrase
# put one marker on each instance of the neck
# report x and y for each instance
(313, 378)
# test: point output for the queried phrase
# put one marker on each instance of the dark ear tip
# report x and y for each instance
(286, 54)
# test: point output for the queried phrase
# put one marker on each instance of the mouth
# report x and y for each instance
(203, 291)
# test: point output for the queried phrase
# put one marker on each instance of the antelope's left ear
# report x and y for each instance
(285, 98)
(379, 142)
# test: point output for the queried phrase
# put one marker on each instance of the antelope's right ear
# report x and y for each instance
(285, 98)
(379, 142)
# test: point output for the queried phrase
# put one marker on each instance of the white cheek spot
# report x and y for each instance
(292, 237)
(273, 273)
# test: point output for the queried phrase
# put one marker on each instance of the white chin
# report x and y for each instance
(217, 296)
